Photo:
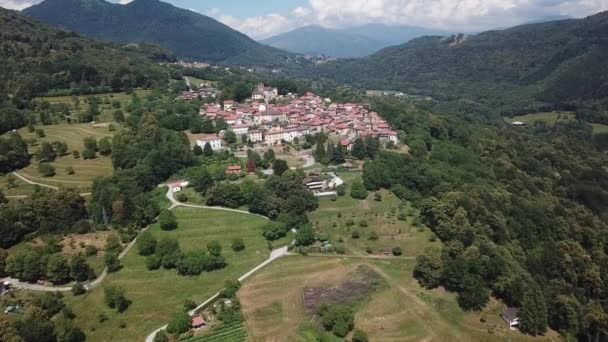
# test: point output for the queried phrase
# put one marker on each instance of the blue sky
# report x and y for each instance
(263, 18)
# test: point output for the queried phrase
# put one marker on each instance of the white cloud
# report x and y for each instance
(124, 2)
(452, 15)
(464, 15)
(16, 4)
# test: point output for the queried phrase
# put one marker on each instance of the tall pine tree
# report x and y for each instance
(359, 149)
(533, 314)
(320, 155)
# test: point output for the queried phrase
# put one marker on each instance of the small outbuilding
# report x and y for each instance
(511, 316)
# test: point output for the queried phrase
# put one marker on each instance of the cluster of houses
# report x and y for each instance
(263, 122)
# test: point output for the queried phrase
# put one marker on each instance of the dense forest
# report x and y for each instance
(526, 68)
(521, 212)
(35, 59)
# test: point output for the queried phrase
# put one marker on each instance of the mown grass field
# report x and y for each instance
(550, 118)
(403, 311)
(198, 81)
(381, 217)
(157, 295)
(20, 187)
(85, 170)
(599, 128)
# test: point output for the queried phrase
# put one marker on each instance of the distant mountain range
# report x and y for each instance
(560, 61)
(356, 41)
(188, 34)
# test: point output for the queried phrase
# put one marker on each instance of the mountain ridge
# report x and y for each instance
(350, 42)
(549, 62)
(192, 36)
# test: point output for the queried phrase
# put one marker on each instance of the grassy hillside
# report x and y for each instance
(157, 295)
(190, 35)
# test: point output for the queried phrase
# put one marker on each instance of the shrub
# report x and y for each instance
(153, 262)
(112, 262)
(161, 336)
(179, 324)
(363, 223)
(82, 226)
(90, 250)
(378, 197)
(189, 304)
(338, 319)
(397, 251)
(182, 198)
(146, 244)
(358, 191)
(402, 217)
(70, 170)
(355, 234)
(78, 289)
(305, 236)
(275, 230)
(46, 170)
(341, 190)
(114, 297)
(369, 250)
(373, 236)
(89, 154)
(167, 220)
(359, 336)
(76, 154)
(237, 244)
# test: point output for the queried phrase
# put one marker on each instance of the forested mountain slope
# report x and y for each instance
(190, 35)
(556, 61)
(35, 58)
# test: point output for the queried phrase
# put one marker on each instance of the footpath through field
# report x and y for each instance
(275, 254)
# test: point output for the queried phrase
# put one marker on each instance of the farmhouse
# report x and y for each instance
(178, 185)
(198, 322)
(213, 140)
(233, 170)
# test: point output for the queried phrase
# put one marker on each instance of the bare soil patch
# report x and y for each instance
(357, 285)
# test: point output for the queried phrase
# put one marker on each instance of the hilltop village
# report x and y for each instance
(269, 118)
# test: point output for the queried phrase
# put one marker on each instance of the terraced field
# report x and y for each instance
(229, 333)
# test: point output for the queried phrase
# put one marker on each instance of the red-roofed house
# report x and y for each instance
(198, 322)
(233, 170)
(347, 144)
